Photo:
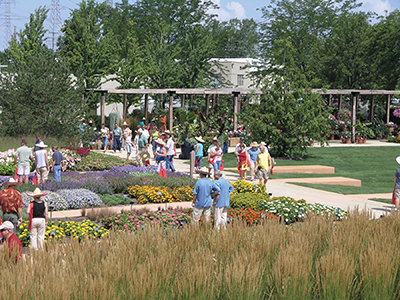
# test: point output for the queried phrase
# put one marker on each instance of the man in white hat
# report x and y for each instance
(397, 185)
(253, 154)
(42, 163)
(202, 193)
(170, 144)
(23, 156)
(14, 244)
(11, 203)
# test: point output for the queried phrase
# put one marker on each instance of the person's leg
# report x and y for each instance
(128, 150)
(38, 175)
(252, 174)
(207, 213)
(115, 144)
(34, 234)
(171, 164)
(200, 158)
(57, 173)
(119, 143)
(44, 175)
(41, 229)
(26, 172)
(217, 217)
(196, 214)
(224, 216)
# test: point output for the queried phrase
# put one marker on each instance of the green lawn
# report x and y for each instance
(374, 166)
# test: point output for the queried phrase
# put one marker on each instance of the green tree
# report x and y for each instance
(287, 117)
(85, 46)
(30, 40)
(39, 95)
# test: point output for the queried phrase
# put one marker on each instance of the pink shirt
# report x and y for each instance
(217, 157)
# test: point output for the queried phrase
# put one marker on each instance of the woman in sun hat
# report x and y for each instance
(37, 211)
(198, 150)
(397, 185)
(253, 155)
(161, 154)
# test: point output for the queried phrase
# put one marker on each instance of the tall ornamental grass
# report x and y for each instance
(317, 259)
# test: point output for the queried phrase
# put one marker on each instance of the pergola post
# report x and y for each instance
(124, 106)
(235, 109)
(146, 109)
(218, 99)
(388, 109)
(372, 108)
(191, 100)
(213, 101)
(207, 104)
(102, 107)
(183, 101)
(329, 99)
(171, 109)
(340, 102)
(353, 116)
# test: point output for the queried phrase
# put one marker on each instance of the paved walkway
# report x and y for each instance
(279, 188)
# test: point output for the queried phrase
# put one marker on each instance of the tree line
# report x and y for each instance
(169, 44)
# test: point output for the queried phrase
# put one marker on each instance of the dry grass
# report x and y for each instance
(318, 259)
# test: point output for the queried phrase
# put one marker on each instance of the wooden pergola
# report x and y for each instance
(237, 93)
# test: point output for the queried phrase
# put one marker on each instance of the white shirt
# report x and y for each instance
(211, 148)
(170, 147)
(237, 147)
(146, 133)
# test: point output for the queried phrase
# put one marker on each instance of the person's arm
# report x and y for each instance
(46, 212)
(271, 163)
(28, 210)
(395, 178)
(196, 149)
(194, 199)
(47, 160)
(35, 161)
(216, 199)
(20, 215)
(15, 160)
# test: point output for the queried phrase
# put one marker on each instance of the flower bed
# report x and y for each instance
(72, 229)
(160, 194)
(128, 221)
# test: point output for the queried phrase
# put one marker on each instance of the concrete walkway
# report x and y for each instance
(279, 188)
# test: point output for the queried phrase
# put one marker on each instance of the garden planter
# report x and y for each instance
(332, 137)
(234, 141)
(346, 141)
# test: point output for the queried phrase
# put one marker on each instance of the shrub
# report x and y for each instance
(115, 199)
(99, 162)
(80, 198)
(160, 194)
(244, 200)
(242, 186)
(58, 202)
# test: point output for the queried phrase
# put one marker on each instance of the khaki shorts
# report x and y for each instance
(262, 174)
(397, 193)
(41, 174)
(197, 212)
(23, 170)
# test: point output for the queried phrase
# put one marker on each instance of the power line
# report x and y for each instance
(7, 16)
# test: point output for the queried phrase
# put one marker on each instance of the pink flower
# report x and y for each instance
(116, 221)
(125, 226)
(135, 220)
(164, 220)
(128, 231)
(138, 226)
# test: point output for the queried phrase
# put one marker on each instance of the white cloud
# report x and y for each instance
(231, 10)
(377, 6)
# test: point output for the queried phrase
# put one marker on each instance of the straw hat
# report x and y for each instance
(12, 182)
(41, 145)
(167, 132)
(254, 144)
(36, 193)
(398, 159)
(7, 225)
(215, 139)
(145, 155)
(125, 124)
(160, 141)
(200, 139)
(263, 144)
(203, 170)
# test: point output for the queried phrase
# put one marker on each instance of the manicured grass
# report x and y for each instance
(388, 201)
(374, 166)
(9, 142)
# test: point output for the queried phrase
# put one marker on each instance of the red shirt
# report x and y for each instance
(15, 243)
(243, 156)
(10, 200)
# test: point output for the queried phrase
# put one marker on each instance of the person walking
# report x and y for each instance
(124, 134)
(142, 147)
(209, 151)
(161, 155)
(117, 132)
(11, 203)
(243, 159)
(154, 136)
(217, 154)
(202, 201)
(265, 164)
(170, 150)
(38, 214)
(253, 155)
(58, 164)
(128, 143)
(23, 156)
(222, 203)
(7, 230)
(198, 150)
(42, 163)
(105, 133)
(238, 146)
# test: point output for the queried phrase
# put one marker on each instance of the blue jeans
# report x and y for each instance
(153, 143)
(170, 164)
(198, 161)
(163, 163)
(217, 165)
(117, 143)
(105, 142)
(57, 173)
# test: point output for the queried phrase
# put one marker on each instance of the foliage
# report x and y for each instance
(242, 186)
(52, 199)
(99, 162)
(287, 118)
(80, 198)
(72, 229)
(115, 199)
(160, 194)
(39, 95)
(130, 222)
(244, 200)
(80, 150)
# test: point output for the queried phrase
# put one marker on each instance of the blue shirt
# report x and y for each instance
(203, 189)
(36, 147)
(226, 189)
(58, 157)
(199, 151)
(117, 131)
(397, 174)
(253, 154)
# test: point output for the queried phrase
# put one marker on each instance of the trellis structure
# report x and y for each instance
(237, 93)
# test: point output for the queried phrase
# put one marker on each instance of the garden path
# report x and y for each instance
(279, 188)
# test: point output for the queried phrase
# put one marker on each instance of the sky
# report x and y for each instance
(241, 9)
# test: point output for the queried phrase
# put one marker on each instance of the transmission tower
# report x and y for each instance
(6, 15)
(55, 22)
